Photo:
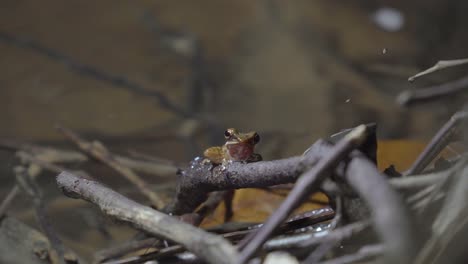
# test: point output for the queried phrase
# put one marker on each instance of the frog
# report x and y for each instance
(238, 147)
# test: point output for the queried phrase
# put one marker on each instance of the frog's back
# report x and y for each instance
(214, 154)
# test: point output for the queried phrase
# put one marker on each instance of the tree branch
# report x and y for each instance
(209, 247)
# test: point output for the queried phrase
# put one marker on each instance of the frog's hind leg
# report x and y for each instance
(214, 154)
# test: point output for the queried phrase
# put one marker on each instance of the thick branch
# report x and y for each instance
(209, 247)
(198, 180)
(390, 216)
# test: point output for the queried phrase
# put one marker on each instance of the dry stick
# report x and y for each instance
(99, 152)
(147, 167)
(438, 143)
(32, 190)
(6, 203)
(439, 66)
(43, 162)
(408, 97)
(44, 153)
(90, 71)
(307, 183)
(53, 155)
(209, 247)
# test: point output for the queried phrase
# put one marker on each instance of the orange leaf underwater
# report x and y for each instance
(402, 153)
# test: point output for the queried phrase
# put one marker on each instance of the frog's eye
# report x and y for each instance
(228, 133)
(256, 138)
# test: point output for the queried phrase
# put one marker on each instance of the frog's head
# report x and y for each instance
(240, 146)
(233, 136)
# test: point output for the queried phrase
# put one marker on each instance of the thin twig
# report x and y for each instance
(439, 66)
(55, 155)
(99, 152)
(307, 183)
(408, 97)
(209, 247)
(8, 200)
(438, 143)
(43, 160)
(413, 183)
(28, 185)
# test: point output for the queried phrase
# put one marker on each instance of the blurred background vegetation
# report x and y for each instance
(294, 71)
